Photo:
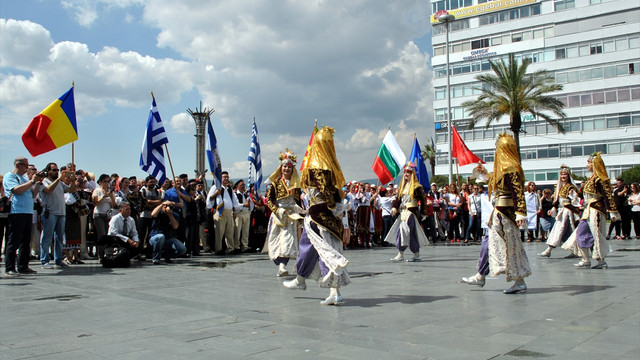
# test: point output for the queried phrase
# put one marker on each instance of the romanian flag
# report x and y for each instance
(53, 127)
(389, 161)
(306, 153)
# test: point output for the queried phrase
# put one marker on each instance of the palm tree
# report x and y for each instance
(511, 92)
(429, 152)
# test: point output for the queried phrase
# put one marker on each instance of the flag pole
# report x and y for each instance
(73, 162)
(457, 173)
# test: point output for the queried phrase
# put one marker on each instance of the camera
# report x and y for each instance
(42, 174)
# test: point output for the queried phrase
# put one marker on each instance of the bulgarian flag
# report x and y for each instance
(53, 127)
(389, 161)
(306, 154)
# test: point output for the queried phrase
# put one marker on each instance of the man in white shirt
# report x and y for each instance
(226, 203)
(122, 233)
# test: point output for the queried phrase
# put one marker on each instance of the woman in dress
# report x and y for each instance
(411, 204)
(321, 255)
(283, 198)
(506, 184)
(546, 220)
(566, 204)
(591, 230)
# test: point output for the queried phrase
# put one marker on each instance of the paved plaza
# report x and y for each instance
(215, 307)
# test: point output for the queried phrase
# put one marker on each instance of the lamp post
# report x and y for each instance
(444, 17)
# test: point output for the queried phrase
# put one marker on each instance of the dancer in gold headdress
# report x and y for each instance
(321, 240)
(412, 205)
(283, 198)
(506, 184)
(591, 230)
(566, 202)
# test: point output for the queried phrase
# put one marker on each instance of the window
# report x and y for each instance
(610, 96)
(598, 97)
(624, 120)
(622, 44)
(561, 53)
(574, 100)
(576, 151)
(608, 46)
(595, 49)
(585, 99)
(479, 44)
(583, 50)
(623, 95)
(572, 51)
(516, 37)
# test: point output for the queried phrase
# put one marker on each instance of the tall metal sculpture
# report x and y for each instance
(200, 116)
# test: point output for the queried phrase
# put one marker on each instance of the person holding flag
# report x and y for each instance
(412, 206)
(283, 198)
(152, 154)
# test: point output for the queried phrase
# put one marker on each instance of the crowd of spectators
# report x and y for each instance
(69, 213)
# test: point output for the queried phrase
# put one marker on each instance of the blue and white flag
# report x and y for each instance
(254, 156)
(213, 156)
(421, 168)
(152, 155)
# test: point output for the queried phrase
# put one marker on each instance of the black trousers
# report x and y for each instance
(18, 241)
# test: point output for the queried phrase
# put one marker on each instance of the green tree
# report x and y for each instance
(631, 175)
(429, 153)
(510, 91)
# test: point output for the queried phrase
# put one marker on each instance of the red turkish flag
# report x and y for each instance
(460, 150)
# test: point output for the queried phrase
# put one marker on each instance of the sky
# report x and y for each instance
(361, 67)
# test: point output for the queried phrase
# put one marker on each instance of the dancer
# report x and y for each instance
(283, 198)
(406, 230)
(321, 240)
(591, 230)
(566, 203)
(506, 253)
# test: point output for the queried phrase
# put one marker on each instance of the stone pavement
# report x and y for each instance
(235, 307)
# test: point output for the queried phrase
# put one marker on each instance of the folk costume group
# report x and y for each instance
(314, 237)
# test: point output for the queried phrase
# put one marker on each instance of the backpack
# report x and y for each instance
(115, 257)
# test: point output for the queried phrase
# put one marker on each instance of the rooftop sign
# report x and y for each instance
(485, 8)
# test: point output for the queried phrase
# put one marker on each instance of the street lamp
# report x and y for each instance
(444, 17)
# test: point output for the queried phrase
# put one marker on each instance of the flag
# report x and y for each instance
(53, 127)
(421, 168)
(460, 150)
(212, 154)
(254, 156)
(390, 159)
(306, 153)
(152, 155)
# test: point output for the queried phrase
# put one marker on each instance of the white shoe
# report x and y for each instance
(416, 258)
(546, 253)
(473, 280)
(282, 272)
(522, 288)
(332, 300)
(398, 257)
(583, 265)
(294, 284)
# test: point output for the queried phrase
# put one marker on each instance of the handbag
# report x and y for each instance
(116, 257)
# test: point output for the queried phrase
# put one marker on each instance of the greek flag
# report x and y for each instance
(213, 156)
(152, 155)
(254, 156)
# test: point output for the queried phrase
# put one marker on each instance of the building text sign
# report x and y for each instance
(485, 8)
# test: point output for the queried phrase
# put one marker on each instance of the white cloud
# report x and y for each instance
(351, 65)
(182, 123)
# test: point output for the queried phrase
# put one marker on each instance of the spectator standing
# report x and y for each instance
(475, 211)
(533, 205)
(103, 200)
(22, 192)
(5, 208)
(53, 215)
(634, 203)
(150, 198)
(200, 200)
(620, 197)
(225, 205)
(454, 204)
(243, 217)
(546, 220)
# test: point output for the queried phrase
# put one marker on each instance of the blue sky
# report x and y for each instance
(358, 66)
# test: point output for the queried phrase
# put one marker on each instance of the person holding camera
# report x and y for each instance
(23, 191)
(163, 233)
(53, 215)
